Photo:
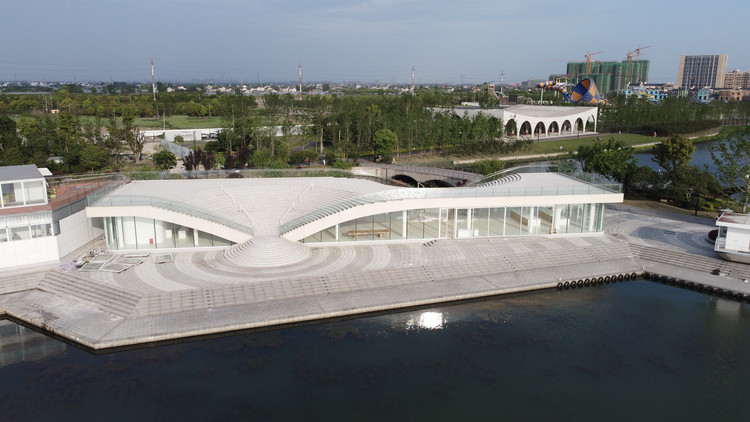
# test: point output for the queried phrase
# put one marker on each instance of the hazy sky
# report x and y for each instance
(351, 40)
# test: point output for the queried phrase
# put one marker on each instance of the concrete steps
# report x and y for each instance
(18, 282)
(501, 181)
(108, 299)
(566, 257)
(716, 266)
(266, 252)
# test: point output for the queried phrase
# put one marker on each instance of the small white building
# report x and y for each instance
(733, 240)
(37, 228)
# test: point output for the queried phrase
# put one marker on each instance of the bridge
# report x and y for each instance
(417, 175)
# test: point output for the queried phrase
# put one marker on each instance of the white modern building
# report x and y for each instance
(36, 228)
(275, 220)
(733, 240)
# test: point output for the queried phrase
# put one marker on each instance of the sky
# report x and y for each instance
(250, 41)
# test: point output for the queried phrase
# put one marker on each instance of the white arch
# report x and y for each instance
(546, 115)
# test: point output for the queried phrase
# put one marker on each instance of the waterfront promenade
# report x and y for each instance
(200, 293)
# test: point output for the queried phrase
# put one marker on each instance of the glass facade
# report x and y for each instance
(457, 223)
(137, 233)
(18, 194)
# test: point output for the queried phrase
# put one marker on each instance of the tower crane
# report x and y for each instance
(588, 58)
(629, 55)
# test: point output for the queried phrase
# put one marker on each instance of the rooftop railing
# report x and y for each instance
(71, 189)
(591, 178)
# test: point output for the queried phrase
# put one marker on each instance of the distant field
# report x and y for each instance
(173, 122)
(180, 122)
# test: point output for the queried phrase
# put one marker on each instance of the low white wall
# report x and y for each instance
(76, 231)
(27, 252)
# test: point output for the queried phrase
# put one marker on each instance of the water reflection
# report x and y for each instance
(429, 320)
(728, 310)
(21, 344)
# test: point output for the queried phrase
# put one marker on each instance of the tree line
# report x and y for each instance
(92, 131)
(682, 183)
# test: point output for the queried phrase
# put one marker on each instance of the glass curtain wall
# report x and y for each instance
(437, 223)
(131, 233)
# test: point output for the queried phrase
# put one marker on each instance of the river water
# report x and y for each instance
(630, 351)
(701, 156)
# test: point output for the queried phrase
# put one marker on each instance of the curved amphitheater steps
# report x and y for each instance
(266, 252)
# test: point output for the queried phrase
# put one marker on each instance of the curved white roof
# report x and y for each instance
(269, 207)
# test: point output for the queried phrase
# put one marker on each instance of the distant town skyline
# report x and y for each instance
(368, 41)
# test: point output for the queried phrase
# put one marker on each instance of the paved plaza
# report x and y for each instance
(202, 293)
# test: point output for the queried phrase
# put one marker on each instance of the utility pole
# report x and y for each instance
(412, 79)
(153, 79)
(300, 79)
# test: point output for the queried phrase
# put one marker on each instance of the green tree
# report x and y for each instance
(13, 157)
(8, 136)
(164, 160)
(689, 180)
(262, 158)
(489, 166)
(384, 142)
(645, 180)
(732, 160)
(612, 158)
(208, 161)
(673, 152)
(93, 157)
(131, 134)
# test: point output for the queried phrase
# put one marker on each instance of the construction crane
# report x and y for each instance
(629, 55)
(588, 59)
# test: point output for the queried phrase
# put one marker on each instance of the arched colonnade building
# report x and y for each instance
(541, 121)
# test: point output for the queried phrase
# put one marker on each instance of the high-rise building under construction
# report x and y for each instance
(610, 76)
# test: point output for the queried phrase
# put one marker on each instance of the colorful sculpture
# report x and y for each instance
(585, 92)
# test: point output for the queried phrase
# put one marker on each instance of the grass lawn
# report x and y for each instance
(546, 147)
(537, 148)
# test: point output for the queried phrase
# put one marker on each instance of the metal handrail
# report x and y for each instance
(239, 206)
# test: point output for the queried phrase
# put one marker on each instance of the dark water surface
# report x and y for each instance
(629, 351)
